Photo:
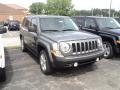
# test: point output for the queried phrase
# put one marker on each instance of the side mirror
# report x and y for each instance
(93, 27)
(3, 30)
(80, 26)
(31, 29)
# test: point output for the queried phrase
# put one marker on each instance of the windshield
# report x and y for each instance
(57, 24)
(108, 23)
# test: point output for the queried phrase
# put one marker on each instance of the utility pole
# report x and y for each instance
(92, 11)
(110, 8)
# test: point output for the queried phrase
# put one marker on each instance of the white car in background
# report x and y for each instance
(2, 55)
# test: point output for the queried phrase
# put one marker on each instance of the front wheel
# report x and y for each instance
(108, 50)
(45, 63)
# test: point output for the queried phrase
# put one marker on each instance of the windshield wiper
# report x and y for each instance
(109, 27)
(113, 28)
(51, 30)
(68, 30)
(117, 28)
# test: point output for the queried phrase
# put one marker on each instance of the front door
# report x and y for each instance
(33, 35)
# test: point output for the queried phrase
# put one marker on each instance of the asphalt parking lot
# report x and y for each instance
(23, 73)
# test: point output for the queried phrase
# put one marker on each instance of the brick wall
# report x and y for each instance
(15, 17)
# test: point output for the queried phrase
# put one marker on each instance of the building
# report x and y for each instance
(12, 12)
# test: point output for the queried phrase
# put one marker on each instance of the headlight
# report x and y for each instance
(118, 37)
(100, 43)
(118, 41)
(55, 50)
(65, 47)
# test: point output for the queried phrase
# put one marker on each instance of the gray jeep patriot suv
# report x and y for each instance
(57, 41)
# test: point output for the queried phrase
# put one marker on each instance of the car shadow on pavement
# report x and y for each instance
(68, 72)
(33, 56)
(9, 70)
(115, 58)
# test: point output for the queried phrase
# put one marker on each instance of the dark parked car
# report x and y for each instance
(118, 19)
(13, 25)
(106, 27)
(57, 41)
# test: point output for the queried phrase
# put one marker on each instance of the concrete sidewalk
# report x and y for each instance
(11, 39)
(11, 42)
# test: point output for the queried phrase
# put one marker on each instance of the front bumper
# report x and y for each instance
(80, 59)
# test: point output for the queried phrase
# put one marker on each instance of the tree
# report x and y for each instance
(37, 8)
(59, 7)
(97, 12)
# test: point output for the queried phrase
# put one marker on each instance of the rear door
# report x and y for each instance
(33, 34)
(25, 31)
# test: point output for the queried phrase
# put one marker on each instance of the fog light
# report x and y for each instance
(75, 64)
(97, 59)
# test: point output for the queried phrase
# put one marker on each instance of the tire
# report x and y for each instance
(23, 46)
(2, 75)
(108, 50)
(45, 65)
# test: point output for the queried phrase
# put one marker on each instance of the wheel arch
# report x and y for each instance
(109, 38)
(45, 46)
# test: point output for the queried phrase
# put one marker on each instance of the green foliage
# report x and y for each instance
(37, 8)
(53, 7)
(98, 12)
(65, 8)
(59, 7)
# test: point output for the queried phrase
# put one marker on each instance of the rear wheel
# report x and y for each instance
(45, 63)
(108, 50)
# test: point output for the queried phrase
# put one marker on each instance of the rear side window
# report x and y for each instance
(89, 23)
(26, 22)
(80, 21)
(34, 23)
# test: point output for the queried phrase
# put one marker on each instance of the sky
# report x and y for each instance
(78, 4)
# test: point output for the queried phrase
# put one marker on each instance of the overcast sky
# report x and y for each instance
(78, 4)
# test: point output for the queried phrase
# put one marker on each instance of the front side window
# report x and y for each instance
(34, 23)
(27, 22)
(80, 21)
(107, 23)
(59, 24)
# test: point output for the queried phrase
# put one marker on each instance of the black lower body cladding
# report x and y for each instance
(60, 62)
(117, 48)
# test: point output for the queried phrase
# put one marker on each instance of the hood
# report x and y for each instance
(115, 32)
(69, 35)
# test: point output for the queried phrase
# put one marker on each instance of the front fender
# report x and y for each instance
(110, 38)
(47, 47)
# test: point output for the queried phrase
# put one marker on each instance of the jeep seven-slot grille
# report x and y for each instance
(84, 47)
